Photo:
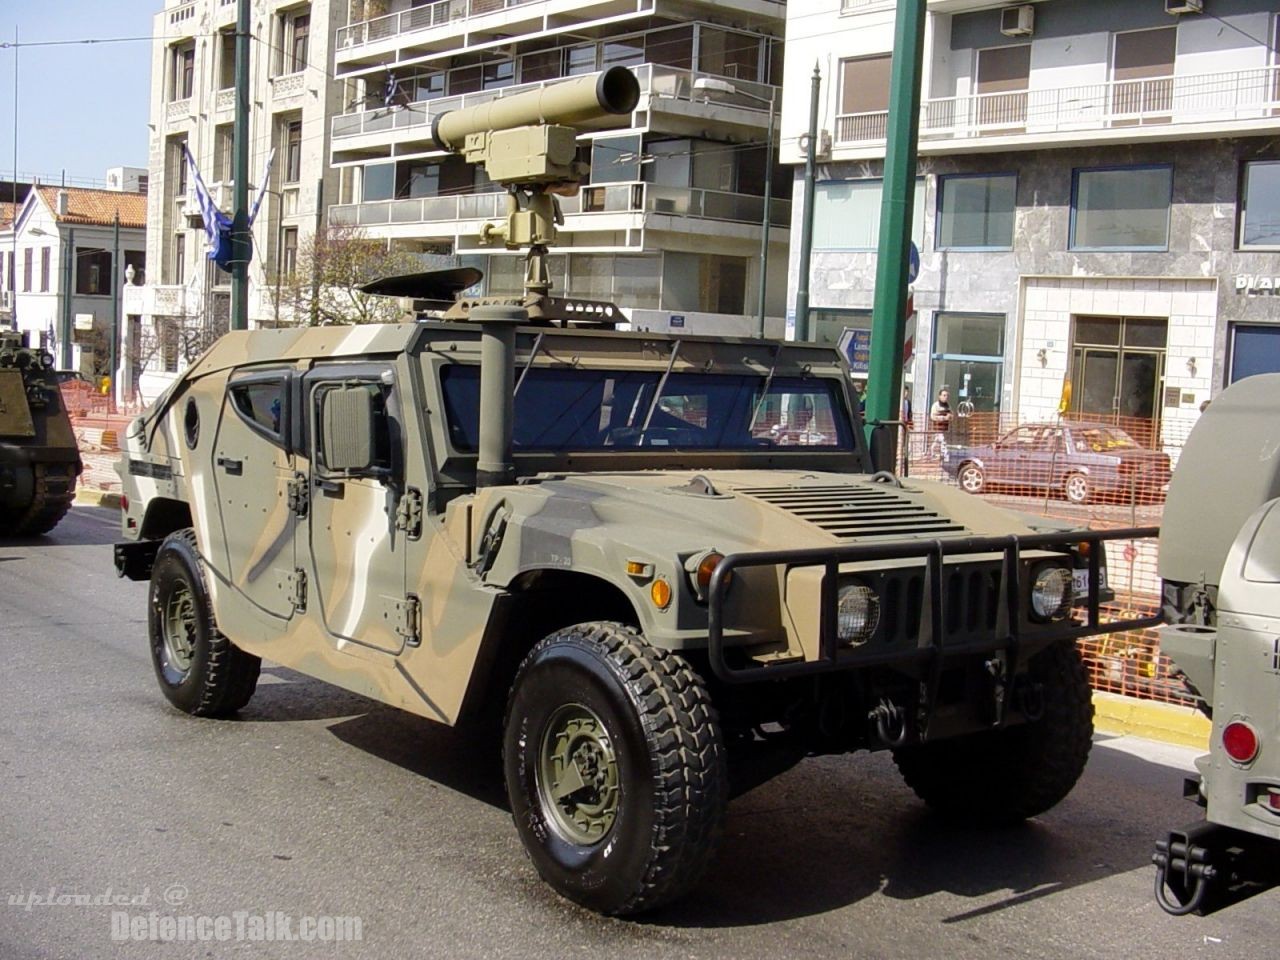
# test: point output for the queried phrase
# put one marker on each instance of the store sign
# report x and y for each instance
(857, 347)
(1257, 286)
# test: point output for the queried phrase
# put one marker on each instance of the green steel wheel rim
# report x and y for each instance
(179, 628)
(578, 775)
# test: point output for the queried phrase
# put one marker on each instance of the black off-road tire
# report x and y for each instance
(670, 767)
(219, 677)
(1004, 776)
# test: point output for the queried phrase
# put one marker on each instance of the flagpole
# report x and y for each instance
(240, 239)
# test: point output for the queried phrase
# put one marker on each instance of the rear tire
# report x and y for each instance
(1076, 488)
(1004, 776)
(200, 671)
(615, 768)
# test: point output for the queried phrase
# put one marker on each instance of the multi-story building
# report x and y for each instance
(292, 96)
(670, 225)
(1098, 196)
(59, 252)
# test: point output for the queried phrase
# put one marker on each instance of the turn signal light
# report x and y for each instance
(706, 567)
(660, 594)
(1240, 741)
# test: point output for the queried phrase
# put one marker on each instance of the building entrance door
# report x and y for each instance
(1118, 368)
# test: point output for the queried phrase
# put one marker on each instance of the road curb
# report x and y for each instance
(97, 498)
(1184, 726)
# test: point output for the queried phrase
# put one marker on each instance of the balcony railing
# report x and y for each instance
(607, 198)
(1198, 98)
(655, 80)
(420, 18)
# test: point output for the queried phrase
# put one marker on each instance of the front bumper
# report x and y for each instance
(937, 640)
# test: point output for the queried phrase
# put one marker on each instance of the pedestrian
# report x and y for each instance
(904, 414)
(940, 422)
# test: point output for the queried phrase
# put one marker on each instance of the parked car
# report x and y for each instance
(1079, 460)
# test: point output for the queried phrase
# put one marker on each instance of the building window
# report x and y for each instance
(379, 181)
(27, 260)
(846, 215)
(13, 277)
(183, 71)
(968, 359)
(93, 271)
(864, 98)
(223, 147)
(180, 259)
(299, 35)
(1260, 205)
(1142, 75)
(976, 212)
(226, 60)
(178, 167)
(293, 151)
(1254, 349)
(45, 256)
(288, 251)
(1003, 77)
(1121, 208)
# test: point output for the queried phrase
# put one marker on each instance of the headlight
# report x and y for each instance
(1051, 593)
(857, 613)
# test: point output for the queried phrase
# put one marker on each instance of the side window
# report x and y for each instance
(263, 405)
(385, 430)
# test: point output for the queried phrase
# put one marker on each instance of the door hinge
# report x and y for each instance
(296, 588)
(410, 620)
(299, 495)
(409, 513)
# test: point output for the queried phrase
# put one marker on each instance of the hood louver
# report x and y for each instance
(856, 512)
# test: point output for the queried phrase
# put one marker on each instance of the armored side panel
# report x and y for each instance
(39, 461)
(1230, 465)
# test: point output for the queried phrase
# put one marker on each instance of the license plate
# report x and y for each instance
(1080, 582)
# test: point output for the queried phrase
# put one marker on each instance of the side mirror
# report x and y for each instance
(346, 429)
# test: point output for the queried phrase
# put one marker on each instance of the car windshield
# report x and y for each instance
(561, 409)
(1101, 439)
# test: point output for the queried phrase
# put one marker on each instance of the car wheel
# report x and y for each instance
(1076, 488)
(971, 478)
(1005, 775)
(200, 671)
(614, 767)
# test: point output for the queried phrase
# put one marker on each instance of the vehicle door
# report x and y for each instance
(357, 563)
(253, 529)
(1044, 456)
(1012, 461)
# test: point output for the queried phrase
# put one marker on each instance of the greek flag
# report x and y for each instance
(217, 225)
(262, 187)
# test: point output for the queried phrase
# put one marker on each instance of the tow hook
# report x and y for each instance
(1207, 866)
(890, 722)
(1183, 870)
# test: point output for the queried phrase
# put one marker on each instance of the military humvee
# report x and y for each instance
(1220, 568)
(632, 553)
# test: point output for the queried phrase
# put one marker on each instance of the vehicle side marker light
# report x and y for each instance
(1240, 741)
(660, 594)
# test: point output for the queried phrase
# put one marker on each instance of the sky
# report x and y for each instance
(82, 108)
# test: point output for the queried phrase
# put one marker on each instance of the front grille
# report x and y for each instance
(858, 512)
(971, 596)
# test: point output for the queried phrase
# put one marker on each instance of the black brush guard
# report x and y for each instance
(932, 647)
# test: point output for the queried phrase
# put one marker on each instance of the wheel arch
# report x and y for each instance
(536, 603)
(163, 516)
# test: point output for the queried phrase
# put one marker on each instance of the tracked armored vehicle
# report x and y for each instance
(639, 557)
(39, 459)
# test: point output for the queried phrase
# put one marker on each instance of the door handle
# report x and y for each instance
(233, 467)
(331, 488)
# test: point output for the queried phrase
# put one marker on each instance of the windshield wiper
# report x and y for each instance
(537, 348)
(764, 394)
(657, 392)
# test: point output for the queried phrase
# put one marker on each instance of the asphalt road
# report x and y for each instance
(319, 803)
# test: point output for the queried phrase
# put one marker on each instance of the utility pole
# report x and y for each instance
(114, 352)
(68, 279)
(767, 216)
(888, 317)
(810, 191)
(241, 243)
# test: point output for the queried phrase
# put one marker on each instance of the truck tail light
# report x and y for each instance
(1240, 741)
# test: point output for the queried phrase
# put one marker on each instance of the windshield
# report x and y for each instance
(559, 409)
(1101, 439)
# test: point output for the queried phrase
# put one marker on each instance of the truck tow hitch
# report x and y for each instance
(1204, 867)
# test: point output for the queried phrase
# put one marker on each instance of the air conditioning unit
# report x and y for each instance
(1019, 21)
(1176, 7)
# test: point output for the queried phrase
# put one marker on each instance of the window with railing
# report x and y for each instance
(864, 98)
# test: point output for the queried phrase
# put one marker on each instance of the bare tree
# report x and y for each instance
(330, 267)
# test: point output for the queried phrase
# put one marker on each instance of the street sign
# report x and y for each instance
(856, 347)
(913, 263)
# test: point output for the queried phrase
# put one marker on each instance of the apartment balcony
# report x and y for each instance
(1161, 108)
(621, 209)
(454, 24)
(668, 102)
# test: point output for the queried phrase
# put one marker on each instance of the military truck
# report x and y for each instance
(634, 554)
(39, 459)
(1220, 568)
